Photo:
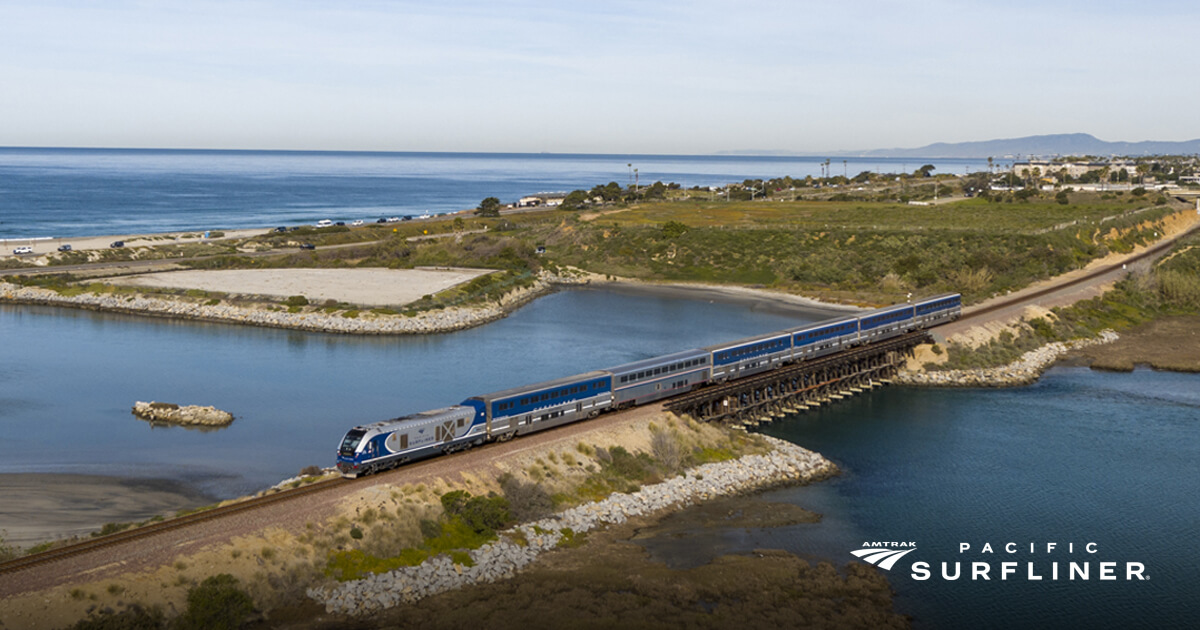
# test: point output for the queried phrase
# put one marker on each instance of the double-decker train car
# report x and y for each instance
(519, 410)
(522, 410)
(648, 380)
(750, 356)
(824, 338)
(937, 310)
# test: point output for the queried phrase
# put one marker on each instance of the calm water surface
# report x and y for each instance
(1079, 457)
(69, 379)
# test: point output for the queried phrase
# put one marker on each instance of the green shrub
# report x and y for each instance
(216, 604)
(296, 300)
(484, 515)
(430, 528)
(356, 533)
(111, 528)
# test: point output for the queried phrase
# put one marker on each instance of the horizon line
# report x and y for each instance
(723, 153)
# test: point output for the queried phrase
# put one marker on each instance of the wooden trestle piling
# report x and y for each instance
(800, 386)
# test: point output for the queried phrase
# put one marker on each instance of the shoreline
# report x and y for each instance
(426, 322)
(1024, 371)
(48, 507)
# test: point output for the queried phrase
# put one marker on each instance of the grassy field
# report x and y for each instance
(963, 214)
(872, 253)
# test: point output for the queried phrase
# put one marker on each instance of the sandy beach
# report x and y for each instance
(50, 245)
(50, 506)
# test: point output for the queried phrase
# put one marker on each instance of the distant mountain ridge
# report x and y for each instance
(1041, 146)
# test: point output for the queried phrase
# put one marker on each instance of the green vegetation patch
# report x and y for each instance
(1172, 288)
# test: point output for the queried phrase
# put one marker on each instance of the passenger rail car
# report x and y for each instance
(502, 415)
(648, 380)
(811, 342)
(750, 356)
(522, 410)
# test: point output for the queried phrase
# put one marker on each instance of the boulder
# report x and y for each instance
(192, 415)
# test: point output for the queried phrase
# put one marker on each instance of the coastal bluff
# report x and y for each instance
(189, 415)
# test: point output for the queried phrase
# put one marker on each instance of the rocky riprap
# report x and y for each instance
(365, 323)
(193, 415)
(1023, 371)
(787, 463)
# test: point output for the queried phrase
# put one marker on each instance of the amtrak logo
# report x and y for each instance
(884, 554)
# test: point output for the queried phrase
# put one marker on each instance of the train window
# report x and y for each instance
(460, 423)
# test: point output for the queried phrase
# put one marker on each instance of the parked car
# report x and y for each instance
(116, 244)
(307, 246)
(280, 229)
(24, 249)
(357, 222)
(324, 223)
(340, 223)
(64, 248)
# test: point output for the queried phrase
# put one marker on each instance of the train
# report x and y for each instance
(503, 415)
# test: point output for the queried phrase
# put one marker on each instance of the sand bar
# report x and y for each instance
(49, 506)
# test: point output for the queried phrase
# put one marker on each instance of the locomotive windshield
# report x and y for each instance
(353, 437)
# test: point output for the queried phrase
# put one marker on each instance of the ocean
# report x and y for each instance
(60, 193)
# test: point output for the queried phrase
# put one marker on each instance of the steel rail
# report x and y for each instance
(150, 529)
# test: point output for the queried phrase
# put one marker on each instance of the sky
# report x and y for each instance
(659, 77)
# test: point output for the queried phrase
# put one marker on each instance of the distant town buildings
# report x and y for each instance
(1057, 171)
(548, 199)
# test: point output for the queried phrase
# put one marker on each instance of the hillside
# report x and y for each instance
(1045, 146)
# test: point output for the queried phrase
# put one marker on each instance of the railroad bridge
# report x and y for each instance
(799, 386)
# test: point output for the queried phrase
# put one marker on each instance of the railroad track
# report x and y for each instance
(1153, 250)
(689, 399)
(90, 545)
